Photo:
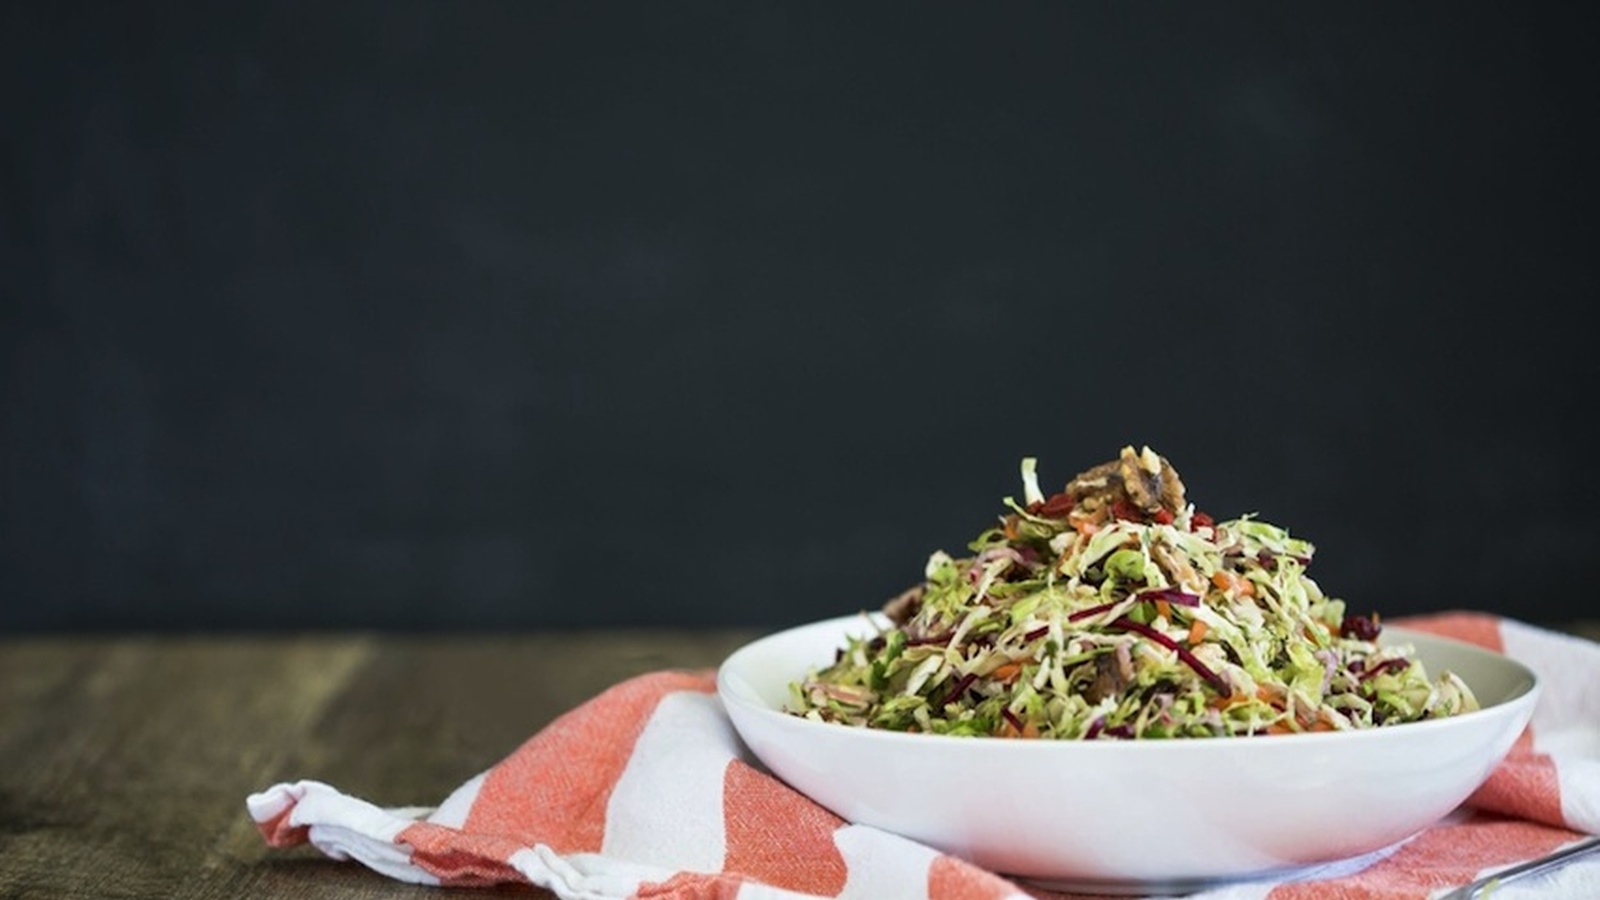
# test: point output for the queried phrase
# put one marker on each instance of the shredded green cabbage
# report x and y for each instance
(1089, 616)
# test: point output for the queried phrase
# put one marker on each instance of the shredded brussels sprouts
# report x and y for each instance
(1114, 609)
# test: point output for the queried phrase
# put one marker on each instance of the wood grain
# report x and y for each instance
(124, 762)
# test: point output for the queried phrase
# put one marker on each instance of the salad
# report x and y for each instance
(1113, 609)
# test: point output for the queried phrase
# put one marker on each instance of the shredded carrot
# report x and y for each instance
(1233, 584)
(1007, 672)
(1011, 528)
(1279, 728)
(1164, 609)
(1197, 631)
(1228, 702)
(1312, 720)
(1029, 730)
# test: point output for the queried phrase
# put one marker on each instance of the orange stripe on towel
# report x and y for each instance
(778, 837)
(1526, 784)
(1446, 855)
(553, 790)
(691, 886)
(461, 860)
(954, 879)
(1474, 628)
(278, 831)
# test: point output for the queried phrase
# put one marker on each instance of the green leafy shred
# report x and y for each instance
(1091, 615)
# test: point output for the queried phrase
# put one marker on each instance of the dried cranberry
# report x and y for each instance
(1200, 520)
(1056, 507)
(1122, 509)
(1362, 628)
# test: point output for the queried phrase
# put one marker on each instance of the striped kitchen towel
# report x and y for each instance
(645, 791)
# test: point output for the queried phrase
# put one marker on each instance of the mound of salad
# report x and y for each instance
(1113, 609)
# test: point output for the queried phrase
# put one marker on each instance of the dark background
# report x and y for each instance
(475, 315)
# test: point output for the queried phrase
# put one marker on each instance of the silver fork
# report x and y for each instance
(1544, 863)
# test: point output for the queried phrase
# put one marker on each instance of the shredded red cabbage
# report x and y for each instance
(1189, 659)
(1091, 611)
(1171, 595)
(959, 689)
(1388, 665)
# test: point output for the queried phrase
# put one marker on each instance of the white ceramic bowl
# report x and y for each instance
(1132, 816)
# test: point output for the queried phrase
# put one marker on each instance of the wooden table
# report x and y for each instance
(124, 762)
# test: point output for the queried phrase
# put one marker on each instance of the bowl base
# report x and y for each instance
(1125, 888)
(1170, 888)
(1174, 887)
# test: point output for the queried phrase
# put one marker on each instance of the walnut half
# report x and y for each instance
(1144, 479)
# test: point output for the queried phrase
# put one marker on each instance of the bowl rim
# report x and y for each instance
(1523, 695)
